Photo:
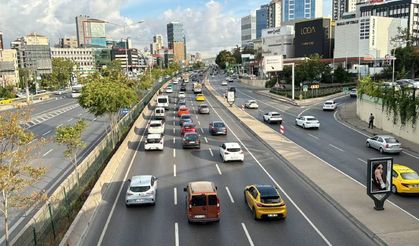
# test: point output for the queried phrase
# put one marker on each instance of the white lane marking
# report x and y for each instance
(174, 117)
(202, 130)
(247, 235)
(199, 123)
(80, 114)
(229, 194)
(94, 119)
(176, 234)
(174, 123)
(407, 153)
(174, 153)
(363, 161)
(206, 140)
(311, 135)
(174, 140)
(59, 125)
(331, 145)
(174, 130)
(302, 112)
(70, 120)
(274, 181)
(46, 133)
(196, 117)
(46, 153)
(218, 169)
(210, 150)
(175, 195)
(174, 170)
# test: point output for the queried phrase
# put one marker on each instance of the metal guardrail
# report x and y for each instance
(312, 93)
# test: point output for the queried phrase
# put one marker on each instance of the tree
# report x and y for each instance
(341, 76)
(70, 136)
(16, 171)
(198, 65)
(223, 58)
(237, 55)
(62, 69)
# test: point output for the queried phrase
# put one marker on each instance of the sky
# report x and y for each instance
(210, 25)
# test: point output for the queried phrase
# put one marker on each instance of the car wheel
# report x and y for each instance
(368, 145)
(255, 216)
(394, 189)
(127, 205)
(381, 150)
(304, 126)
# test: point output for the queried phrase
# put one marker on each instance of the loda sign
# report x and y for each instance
(308, 30)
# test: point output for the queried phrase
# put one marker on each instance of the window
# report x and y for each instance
(199, 200)
(139, 188)
(212, 200)
(394, 174)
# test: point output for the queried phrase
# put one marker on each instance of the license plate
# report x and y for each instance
(272, 215)
(199, 216)
(192, 142)
(139, 200)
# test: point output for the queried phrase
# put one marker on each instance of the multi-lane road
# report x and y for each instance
(311, 219)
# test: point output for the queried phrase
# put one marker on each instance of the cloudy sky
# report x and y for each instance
(210, 25)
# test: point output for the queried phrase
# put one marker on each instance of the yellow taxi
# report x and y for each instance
(265, 202)
(405, 180)
(200, 97)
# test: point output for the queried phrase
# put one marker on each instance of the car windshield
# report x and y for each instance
(186, 116)
(218, 124)
(153, 140)
(162, 100)
(155, 125)
(391, 140)
(328, 103)
(276, 115)
(270, 199)
(139, 188)
(203, 106)
(191, 137)
(311, 119)
(233, 149)
(188, 126)
(410, 176)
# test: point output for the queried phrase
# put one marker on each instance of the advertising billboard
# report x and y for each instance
(230, 97)
(379, 173)
(313, 36)
(272, 64)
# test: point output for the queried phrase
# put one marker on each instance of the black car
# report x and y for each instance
(183, 88)
(191, 140)
(217, 128)
(232, 89)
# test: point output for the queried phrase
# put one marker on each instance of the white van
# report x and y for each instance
(159, 113)
(163, 102)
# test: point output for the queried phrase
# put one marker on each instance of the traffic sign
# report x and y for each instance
(305, 88)
(276, 85)
(315, 86)
(282, 129)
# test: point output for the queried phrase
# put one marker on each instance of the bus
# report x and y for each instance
(76, 91)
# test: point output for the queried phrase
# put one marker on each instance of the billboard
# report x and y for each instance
(379, 173)
(313, 36)
(272, 64)
(97, 29)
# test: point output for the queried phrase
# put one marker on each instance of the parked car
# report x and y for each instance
(231, 152)
(191, 140)
(142, 189)
(307, 122)
(185, 118)
(272, 117)
(154, 142)
(384, 144)
(203, 203)
(265, 202)
(251, 104)
(353, 92)
(329, 105)
(187, 127)
(217, 128)
(203, 109)
(405, 180)
(156, 126)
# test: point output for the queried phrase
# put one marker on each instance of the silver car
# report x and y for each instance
(142, 189)
(384, 143)
(203, 109)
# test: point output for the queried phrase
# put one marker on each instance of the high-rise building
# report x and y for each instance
(261, 19)
(278, 41)
(248, 29)
(274, 17)
(176, 41)
(90, 32)
(1, 41)
(68, 43)
(340, 7)
(157, 44)
(302, 9)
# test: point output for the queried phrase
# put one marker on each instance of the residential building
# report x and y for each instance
(278, 41)
(1, 41)
(82, 57)
(68, 43)
(274, 13)
(157, 44)
(176, 40)
(129, 59)
(33, 52)
(248, 29)
(339, 7)
(261, 19)
(90, 32)
(367, 36)
(314, 37)
(9, 71)
(302, 9)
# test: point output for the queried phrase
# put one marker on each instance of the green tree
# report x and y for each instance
(7, 92)
(223, 58)
(237, 55)
(198, 65)
(61, 72)
(70, 136)
(341, 76)
(17, 173)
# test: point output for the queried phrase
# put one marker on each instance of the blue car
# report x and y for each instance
(185, 118)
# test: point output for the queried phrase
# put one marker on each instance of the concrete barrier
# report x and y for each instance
(260, 83)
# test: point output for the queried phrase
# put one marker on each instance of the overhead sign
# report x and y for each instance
(272, 64)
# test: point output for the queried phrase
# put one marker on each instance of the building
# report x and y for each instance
(248, 29)
(278, 41)
(157, 44)
(102, 57)
(339, 7)
(9, 71)
(302, 9)
(68, 43)
(129, 59)
(367, 36)
(176, 41)
(82, 57)
(314, 37)
(261, 19)
(274, 14)
(1, 41)
(33, 52)
(90, 32)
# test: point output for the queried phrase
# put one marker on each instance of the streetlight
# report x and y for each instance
(393, 57)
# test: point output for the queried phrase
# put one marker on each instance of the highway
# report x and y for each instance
(340, 146)
(311, 218)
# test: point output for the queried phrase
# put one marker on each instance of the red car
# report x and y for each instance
(187, 127)
(183, 110)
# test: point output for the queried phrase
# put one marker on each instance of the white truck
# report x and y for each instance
(197, 88)
(272, 117)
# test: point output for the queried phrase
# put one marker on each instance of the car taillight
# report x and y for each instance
(190, 203)
(161, 142)
(259, 205)
(218, 205)
(226, 153)
(405, 185)
(129, 193)
(387, 145)
(150, 192)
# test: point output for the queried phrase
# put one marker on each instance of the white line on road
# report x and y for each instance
(311, 135)
(210, 150)
(46, 133)
(196, 117)
(80, 114)
(176, 234)
(174, 153)
(229, 194)
(199, 123)
(363, 161)
(94, 119)
(218, 169)
(174, 170)
(174, 130)
(49, 151)
(174, 117)
(59, 125)
(174, 123)
(331, 145)
(247, 235)
(70, 120)
(174, 140)
(175, 195)
(407, 153)
(206, 140)
(202, 130)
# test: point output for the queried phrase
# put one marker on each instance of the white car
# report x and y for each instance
(224, 83)
(181, 95)
(251, 104)
(307, 122)
(272, 117)
(329, 105)
(175, 81)
(169, 90)
(231, 152)
(156, 126)
(142, 189)
(154, 142)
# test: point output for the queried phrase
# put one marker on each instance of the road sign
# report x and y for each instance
(282, 129)
(305, 88)
(276, 85)
(315, 86)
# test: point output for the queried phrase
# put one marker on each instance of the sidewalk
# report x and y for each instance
(347, 114)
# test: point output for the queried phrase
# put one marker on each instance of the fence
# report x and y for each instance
(53, 218)
(324, 90)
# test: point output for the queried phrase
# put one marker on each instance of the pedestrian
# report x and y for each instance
(371, 121)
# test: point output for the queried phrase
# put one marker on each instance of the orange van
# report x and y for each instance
(202, 202)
